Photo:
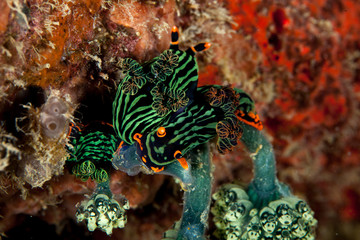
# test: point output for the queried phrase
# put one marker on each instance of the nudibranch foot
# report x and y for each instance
(127, 160)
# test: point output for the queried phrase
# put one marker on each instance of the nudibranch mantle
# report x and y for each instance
(201, 121)
(151, 92)
(159, 109)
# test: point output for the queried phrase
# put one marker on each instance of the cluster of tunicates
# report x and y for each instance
(102, 212)
(286, 219)
(52, 117)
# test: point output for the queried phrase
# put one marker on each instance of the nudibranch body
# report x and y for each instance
(91, 150)
(151, 92)
(214, 112)
(233, 105)
(159, 108)
(182, 132)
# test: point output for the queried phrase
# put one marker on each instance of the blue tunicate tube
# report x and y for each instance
(264, 187)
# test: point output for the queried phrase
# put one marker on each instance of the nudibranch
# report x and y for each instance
(91, 150)
(151, 93)
(177, 136)
(215, 111)
(159, 108)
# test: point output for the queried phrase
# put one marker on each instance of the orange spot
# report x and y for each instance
(252, 115)
(241, 113)
(137, 137)
(155, 169)
(182, 160)
(193, 49)
(174, 43)
(183, 163)
(144, 160)
(161, 132)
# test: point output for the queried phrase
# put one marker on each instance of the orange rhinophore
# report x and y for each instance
(174, 36)
(201, 47)
(161, 132)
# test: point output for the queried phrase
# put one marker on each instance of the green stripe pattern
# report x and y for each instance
(163, 93)
(187, 130)
(211, 114)
(162, 86)
(91, 152)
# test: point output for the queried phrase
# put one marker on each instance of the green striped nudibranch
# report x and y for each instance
(195, 125)
(201, 121)
(159, 108)
(91, 150)
(149, 93)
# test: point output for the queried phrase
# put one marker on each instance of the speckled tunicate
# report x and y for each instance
(267, 219)
(237, 210)
(298, 228)
(102, 203)
(283, 212)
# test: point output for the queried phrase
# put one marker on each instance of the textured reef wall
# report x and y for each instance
(299, 60)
